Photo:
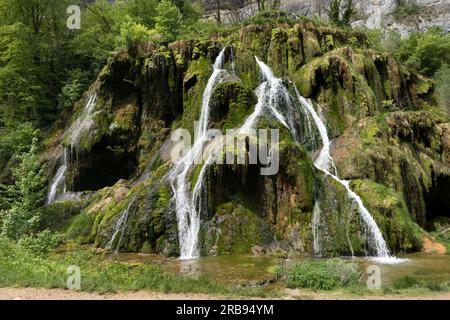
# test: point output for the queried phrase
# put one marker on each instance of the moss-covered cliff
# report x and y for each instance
(389, 138)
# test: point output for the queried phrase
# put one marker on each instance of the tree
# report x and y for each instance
(425, 52)
(33, 58)
(132, 32)
(168, 20)
(342, 12)
(28, 193)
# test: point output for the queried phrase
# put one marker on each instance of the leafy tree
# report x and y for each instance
(14, 140)
(74, 86)
(342, 12)
(169, 20)
(33, 58)
(98, 36)
(28, 193)
(132, 32)
(425, 52)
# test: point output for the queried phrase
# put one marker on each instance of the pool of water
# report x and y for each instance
(258, 270)
(235, 269)
(419, 265)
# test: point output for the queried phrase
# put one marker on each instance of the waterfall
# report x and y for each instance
(83, 124)
(119, 226)
(270, 94)
(59, 180)
(188, 217)
(325, 163)
(316, 229)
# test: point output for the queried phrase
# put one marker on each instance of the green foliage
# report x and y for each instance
(168, 20)
(34, 56)
(41, 243)
(28, 193)
(322, 275)
(442, 79)
(342, 12)
(74, 87)
(410, 282)
(274, 17)
(388, 42)
(406, 10)
(132, 33)
(425, 52)
(20, 267)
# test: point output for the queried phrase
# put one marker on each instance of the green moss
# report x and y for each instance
(231, 103)
(198, 74)
(57, 215)
(234, 230)
(125, 117)
(311, 45)
(391, 214)
(80, 227)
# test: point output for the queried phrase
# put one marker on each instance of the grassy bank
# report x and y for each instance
(21, 268)
(329, 279)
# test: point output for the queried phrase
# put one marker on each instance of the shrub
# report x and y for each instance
(425, 52)
(132, 32)
(41, 243)
(409, 282)
(28, 195)
(322, 275)
(405, 10)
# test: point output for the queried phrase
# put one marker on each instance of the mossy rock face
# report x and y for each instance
(349, 85)
(234, 230)
(389, 210)
(339, 225)
(401, 150)
(398, 158)
(57, 215)
(231, 103)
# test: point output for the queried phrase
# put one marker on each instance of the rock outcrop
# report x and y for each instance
(396, 152)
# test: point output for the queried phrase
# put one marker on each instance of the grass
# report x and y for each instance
(410, 282)
(322, 275)
(21, 268)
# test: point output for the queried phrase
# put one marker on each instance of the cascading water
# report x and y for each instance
(81, 126)
(188, 216)
(84, 122)
(58, 183)
(325, 163)
(271, 94)
(316, 230)
(119, 226)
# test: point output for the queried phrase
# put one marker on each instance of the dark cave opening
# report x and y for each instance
(437, 199)
(235, 183)
(103, 166)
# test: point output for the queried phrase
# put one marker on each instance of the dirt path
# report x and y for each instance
(59, 294)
